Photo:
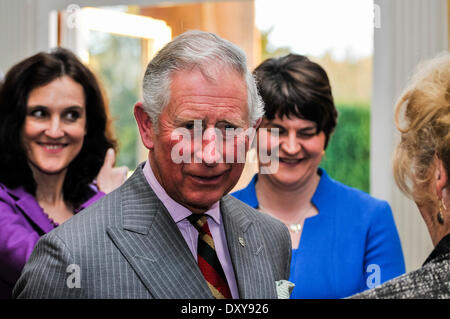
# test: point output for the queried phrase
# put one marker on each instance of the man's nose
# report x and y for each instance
(211, 151)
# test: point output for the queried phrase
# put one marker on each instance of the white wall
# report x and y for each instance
(17, 34)
(410, 31)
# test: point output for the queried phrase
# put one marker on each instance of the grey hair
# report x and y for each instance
(206, 51)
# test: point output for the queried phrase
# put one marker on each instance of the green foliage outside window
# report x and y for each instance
(347, 157)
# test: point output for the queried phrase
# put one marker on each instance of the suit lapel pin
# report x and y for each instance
(241, 241)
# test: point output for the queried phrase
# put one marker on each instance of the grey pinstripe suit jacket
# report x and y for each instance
(126, 245)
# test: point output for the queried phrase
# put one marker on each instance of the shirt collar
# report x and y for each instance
(176, 210)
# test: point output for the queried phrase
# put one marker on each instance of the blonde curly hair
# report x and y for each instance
(422, 116)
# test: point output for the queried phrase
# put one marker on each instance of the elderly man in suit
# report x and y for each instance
(171, 230)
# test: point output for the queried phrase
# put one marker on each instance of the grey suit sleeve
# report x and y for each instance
(285, 250)
(288, 248)
(279, 243)
(49, 273)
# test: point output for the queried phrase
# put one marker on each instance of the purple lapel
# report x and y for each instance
(30, 207)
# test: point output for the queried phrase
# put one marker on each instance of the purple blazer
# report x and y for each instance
(22, 223)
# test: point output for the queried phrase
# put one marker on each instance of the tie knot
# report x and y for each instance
(199, 221)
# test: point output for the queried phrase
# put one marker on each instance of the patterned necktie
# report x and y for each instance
(208, 262)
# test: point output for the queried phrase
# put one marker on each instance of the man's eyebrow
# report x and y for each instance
(234, 122)
(182, 120)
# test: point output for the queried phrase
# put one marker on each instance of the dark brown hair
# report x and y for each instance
(293, 85)
(36, 71)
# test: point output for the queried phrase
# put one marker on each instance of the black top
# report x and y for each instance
(440, 251)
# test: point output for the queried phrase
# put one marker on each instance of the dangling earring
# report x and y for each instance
(440, 215)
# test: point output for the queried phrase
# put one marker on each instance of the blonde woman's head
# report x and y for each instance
(422, 116)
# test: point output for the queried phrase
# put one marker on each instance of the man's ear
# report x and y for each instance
(257, 124)
(253, 137)
(441, 177)
(145, 125)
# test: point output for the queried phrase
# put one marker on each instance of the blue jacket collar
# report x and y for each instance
(321, 197)
(324, 196)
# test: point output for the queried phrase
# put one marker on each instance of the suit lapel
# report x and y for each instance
(246, 245)
(153, 245)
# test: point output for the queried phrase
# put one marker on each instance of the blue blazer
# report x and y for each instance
(350, 246)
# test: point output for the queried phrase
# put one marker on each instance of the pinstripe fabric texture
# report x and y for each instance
(126, 245)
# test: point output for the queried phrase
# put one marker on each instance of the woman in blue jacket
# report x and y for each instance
(344, 241)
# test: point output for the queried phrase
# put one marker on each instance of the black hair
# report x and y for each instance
(293, 85)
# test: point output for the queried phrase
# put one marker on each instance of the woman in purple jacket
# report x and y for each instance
(54, 142)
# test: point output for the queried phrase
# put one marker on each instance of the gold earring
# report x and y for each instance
(440, 215)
